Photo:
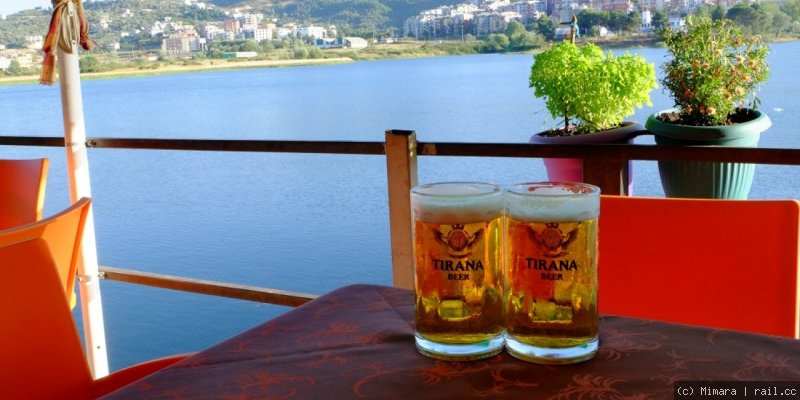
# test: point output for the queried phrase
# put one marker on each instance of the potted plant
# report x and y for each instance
(712, 77)
(592, 92)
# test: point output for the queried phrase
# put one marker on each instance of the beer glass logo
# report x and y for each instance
(458, 241)
(553, 240)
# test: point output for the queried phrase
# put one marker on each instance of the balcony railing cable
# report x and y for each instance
(604, 165)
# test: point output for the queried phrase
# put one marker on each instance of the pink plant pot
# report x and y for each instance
(571, 169)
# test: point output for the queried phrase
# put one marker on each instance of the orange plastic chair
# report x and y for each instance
(729, 264)
(62, 233)
(22, 187)
(41, 352)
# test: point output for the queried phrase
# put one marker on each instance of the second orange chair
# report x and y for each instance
(22, 188)
(62, 233)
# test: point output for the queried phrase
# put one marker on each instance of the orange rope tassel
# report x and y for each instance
(48, 76)
(54, 36)
(48, 70)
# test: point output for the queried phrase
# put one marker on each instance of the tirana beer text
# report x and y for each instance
(458, 269)
(551, 272)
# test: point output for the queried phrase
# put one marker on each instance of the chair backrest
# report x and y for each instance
(63, 233)
(22, 188)
(41, 352)
(723, 263)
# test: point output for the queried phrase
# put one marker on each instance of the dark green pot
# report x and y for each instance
(727, 180)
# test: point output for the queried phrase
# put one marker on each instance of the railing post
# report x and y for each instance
(608, 173)
(401, 171)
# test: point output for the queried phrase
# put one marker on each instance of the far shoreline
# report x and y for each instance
(403, 49)
(207, 65)
(200, 66)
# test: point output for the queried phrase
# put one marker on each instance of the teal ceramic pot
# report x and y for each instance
(571, 169)
(727, 180)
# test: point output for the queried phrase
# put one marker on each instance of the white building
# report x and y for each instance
(25, 59)
(676, 22)
(213, 31)
(284, 32)
(260, 34)
(252, 19)
(497, 5)
(34, 42)
(488, 22)
(310, 32)
(355, 43)
(240, 54)
(341, 42)
(529, 10)
(509, 16)
(104, 22)
(182, 43)
(157, 28)
(647, 21)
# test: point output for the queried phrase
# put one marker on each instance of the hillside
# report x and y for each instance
(361, 15)
(357, 17)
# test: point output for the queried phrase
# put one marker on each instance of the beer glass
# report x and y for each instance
(458, 269)
(551, 271)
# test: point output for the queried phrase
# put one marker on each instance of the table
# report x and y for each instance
(357, 342)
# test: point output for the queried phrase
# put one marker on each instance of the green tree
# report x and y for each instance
(616, 21)
(533, 40)
(315, 52)
(660, 20)
(267, 46)
(780, 21)
(515, 31)
(546, 27)
(753, 19)
(703, 11)
(590, 18)
(89, 63)
(717, 13)
(517, 35)
(743, 15)
(497, 42)
(15, 68)
(299, 52)
(250, 45)
(792, 9)
(632, 22)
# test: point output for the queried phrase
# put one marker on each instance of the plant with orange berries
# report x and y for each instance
(714, 72)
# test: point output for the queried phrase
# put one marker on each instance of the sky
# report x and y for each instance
(8, 7)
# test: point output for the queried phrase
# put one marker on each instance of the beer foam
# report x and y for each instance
(457, 202)
(548, 202)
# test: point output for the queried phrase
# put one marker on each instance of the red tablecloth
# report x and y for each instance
(358, 342)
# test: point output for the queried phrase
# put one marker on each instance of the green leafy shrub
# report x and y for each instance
(714, 71)
(591, 90)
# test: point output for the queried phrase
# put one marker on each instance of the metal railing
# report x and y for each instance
(604, 166)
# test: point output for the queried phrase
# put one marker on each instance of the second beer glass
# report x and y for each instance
(458, 255)
(551, 271)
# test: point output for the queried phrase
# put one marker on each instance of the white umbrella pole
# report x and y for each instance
(78, 171)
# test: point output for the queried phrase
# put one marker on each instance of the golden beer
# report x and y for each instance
(551, 272)
(458, 269)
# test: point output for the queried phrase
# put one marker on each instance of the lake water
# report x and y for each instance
(308, 223)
